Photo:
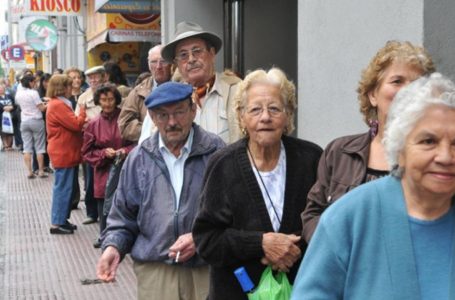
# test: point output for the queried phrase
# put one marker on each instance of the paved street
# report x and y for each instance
(37, 265)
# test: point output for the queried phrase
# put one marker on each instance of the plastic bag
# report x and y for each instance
(272, 287)
(7, 123)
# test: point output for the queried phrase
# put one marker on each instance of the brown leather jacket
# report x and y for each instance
(134, 111)
(342, 167)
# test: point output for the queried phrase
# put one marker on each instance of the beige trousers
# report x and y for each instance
(160, 281)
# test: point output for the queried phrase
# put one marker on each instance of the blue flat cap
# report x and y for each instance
(168, 92)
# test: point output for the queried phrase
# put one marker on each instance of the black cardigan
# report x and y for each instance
(233, 216)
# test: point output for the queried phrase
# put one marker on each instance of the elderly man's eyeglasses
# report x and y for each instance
(273, 110)
(163, 117)
(156, 62)
(185, 55)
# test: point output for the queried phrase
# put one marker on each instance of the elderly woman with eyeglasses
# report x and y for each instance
(393, 238)
(255, 189)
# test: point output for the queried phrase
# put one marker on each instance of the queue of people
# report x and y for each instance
(212, 179)
(262, 196)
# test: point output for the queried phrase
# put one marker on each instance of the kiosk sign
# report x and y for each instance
(41, 35)
(54, 7)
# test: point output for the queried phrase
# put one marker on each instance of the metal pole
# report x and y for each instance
(237, 36)
(227, 42)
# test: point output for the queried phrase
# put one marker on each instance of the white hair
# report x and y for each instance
(408, 107)
(159, 46)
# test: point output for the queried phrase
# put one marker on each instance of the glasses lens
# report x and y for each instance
(185, 56)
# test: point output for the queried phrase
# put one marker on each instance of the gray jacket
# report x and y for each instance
(144, 219)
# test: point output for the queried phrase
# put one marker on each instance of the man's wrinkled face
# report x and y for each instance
(160, 69)
(174, 122)
(196, 62)
(95, 80)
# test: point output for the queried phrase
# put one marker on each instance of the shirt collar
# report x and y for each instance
(185, 149)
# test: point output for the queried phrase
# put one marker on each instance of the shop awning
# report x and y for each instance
(124, 35)
(128, 6)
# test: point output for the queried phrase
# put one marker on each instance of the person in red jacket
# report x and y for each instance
(103, 144)
(64, 147)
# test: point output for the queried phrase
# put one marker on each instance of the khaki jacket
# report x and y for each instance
(134, 111)
(217, 113)
(91, 109)
(230, 86)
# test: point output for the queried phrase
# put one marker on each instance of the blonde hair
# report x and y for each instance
(57, 85)
(275, 77)
(372, 75)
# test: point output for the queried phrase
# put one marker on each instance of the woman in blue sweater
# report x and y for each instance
(393, 238)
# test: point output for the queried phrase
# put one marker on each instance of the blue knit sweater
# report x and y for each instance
(362, 249)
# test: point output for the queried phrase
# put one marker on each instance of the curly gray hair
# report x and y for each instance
(408, 107)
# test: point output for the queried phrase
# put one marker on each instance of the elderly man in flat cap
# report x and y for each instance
(193, 50)
(157, 200)
(96, 76)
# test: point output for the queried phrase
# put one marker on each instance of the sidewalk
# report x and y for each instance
(37, 265)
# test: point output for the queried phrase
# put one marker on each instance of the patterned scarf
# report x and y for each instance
(201, 91)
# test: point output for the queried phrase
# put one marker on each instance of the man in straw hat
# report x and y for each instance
(157, 199)
(193, 50)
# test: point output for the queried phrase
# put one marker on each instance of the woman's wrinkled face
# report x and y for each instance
(428, 157)
(264, 116)
(396, 76)
(107, 102)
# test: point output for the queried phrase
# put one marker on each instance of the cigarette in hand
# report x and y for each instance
(177, 257)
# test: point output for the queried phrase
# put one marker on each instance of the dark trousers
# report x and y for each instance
(90, 201)
(103, 218)
(76, 193)
(35, 161)
(17, 134)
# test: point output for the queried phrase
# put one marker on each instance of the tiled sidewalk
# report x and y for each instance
(37, 265)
